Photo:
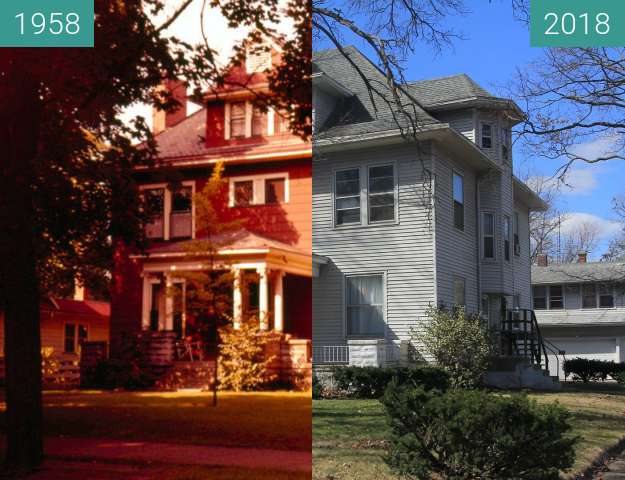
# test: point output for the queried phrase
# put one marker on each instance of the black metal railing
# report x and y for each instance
(520, 336)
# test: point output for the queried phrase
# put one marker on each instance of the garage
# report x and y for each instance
(596, 348)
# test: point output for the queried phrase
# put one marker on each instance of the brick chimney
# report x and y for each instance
(542, 260)
(582, 257)
(161, 119)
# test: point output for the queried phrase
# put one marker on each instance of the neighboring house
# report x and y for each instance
(268, 171)
(401, 224)
(581, 308)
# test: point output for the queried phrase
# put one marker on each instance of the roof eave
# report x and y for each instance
(330, 85)
(525, 194)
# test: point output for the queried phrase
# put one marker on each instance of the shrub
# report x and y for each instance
(620, 378)
(317, 388)
(111, 374)
(243, 362)
(587, 370)
(460, 344)
(370, 382)
(472, 434)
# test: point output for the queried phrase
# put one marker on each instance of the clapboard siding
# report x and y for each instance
(461, 121)
(522, 264)
(402, 251)
(456, 251)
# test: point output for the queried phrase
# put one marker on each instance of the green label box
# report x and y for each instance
(46, 23)
(577, 23)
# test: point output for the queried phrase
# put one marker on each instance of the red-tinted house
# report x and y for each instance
(268, 170)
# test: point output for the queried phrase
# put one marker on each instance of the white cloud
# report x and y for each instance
(578, 181)
(605, 228)
(601, 147)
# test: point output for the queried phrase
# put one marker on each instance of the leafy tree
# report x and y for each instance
(66, 187)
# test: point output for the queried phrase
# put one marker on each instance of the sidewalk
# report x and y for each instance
(170, 454)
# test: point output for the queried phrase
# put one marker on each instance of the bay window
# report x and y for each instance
(487, 135)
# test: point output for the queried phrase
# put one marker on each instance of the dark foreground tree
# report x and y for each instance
(66, 187)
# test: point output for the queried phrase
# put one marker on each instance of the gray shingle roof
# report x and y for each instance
(578, 273)
(363, 114)
(447, 89)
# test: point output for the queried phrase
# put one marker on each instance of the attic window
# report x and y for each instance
(258, 60)
(237, 120)
(487, 135)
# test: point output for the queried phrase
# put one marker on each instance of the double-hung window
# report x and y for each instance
(556, 297)
(487, 135)
(540, 297)
(347, 196)
(237, 119)
(381, 193)
(365, 305)
(506, 237)
(259, 122)
(154, 202)
(243, 193)
(458, 199)
(181, 220)
(488, 235)
(75, 336)
(589, 295)
(606, 296)
(505, 144)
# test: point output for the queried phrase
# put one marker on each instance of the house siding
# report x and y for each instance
(460, 120)
(402, 251)
(522, 266)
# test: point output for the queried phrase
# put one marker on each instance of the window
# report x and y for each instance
(154, 206)
(75, 336)
(515, 234)
(275, 190)
(181, 223)
(381, 193)
(365, 306)
(237, 119)
(488, 235)
(540, 297)
(458, 198)
(556, 298)
(259, 122)
(589, 296)
(243, 193)
(506, 237)
(459, 292)
(505, 143)
(283, 122)
(487, 135)
(485, 307)
(347, 196)
(258, 59)
(606, 296)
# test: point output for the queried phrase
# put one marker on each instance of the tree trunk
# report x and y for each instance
(19, 286)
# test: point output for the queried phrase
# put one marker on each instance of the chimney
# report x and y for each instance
(542, 260)
(161, 119)
(582, 257)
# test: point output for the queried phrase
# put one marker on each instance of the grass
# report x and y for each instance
(348, 439)
(278, 420)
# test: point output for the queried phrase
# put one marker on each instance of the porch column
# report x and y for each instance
(278, 302)
(263, 298)
(237, 299)
(169, 304)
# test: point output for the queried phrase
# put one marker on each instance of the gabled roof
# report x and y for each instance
(578, 273)
(76, 307)
(446, 89)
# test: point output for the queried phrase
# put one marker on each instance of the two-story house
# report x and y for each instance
(402, 222)
(580, 308)
(268, 170)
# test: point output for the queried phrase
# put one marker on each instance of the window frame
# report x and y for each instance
(507, 244)
(483, 235)
(489, 136)
(258, 188)
(167, 206)
(454, 174)
(230, 119)
(335, 198)
(562, 296)
(545, 297)
(516, 238)
(583, 295)
(346, 277)
(612, 294)
(368, 168)
(76, 341)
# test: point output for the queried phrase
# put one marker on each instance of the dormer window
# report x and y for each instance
(237, 119)
(487, 135)
(259, 122)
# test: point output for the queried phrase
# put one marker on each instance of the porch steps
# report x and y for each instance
(513, 372)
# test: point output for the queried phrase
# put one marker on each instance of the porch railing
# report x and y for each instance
(330, 354)
(520, 335)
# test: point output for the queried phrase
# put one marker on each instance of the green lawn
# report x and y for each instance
(279, 420)
(348, 439)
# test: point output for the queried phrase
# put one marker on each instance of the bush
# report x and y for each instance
(460, 344)
(317, 388)
(471, 434)
(620, 378)
(111, 374)
(588, 370)
(370, 382)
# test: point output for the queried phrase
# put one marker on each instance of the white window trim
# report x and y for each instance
(167, 198)
(548, 296)
(453, 201)
(597, 298)
(483, 235)
(249, 112)
(76, 325)
(384, 276)
(364, 196)
(258, 182)
(395, 193)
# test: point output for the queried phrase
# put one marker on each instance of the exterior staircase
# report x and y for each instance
(524, 360)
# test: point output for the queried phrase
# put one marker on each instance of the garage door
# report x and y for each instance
(596, 349)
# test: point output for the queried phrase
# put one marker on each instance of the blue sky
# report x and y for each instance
(493, 48)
